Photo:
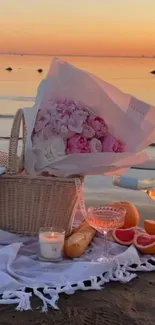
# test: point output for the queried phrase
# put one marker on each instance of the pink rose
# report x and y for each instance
(95, 145)
(88, 132)
(98, 124)
(61, 108)
(80, 115)
(77, 144)
(65, 132)
(59, 115)
(76, 120)
(71, 108)
(75, 124)
(66, 105)
(61, 118)
(111, 144)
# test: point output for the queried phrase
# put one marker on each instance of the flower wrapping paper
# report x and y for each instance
(129, 121)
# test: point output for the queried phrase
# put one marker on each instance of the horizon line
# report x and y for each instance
(82, 55)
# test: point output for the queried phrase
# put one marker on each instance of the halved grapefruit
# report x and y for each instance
(132, 215)
(149, 226)
(124, 236)
(145, 243)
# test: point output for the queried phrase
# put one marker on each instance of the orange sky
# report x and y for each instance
(94, 27)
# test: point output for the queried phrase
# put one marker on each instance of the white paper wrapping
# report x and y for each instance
(128, 119)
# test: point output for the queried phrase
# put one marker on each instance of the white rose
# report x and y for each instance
(55, 148)
(49, 151)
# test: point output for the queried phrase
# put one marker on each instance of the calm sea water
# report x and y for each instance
(19, 86)
(18, 89)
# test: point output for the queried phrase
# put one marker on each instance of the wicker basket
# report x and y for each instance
(3, 159)
(28, 203)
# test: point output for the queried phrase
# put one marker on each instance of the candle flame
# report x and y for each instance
(52, 235)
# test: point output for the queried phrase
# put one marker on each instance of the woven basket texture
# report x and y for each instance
(28, 203)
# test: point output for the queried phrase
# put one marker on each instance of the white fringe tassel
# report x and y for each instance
(19, 297)
(50, 296)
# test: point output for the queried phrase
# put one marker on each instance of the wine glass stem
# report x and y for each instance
(105, 243)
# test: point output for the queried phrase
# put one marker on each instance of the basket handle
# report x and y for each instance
(13, 143)
(80, 195)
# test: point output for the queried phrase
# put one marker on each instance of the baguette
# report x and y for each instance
(79, 240)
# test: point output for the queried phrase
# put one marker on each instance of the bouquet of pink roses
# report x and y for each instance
(81, 125)
(79, 129)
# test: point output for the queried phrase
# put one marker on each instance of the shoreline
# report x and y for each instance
(81, 55)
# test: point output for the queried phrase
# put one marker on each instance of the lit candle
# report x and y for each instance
(51, 243)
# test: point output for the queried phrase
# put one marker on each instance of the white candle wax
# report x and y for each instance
(51, 245)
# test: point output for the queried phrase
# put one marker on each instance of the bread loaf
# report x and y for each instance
(79, 240)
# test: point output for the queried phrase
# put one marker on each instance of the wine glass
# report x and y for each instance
(105, 219)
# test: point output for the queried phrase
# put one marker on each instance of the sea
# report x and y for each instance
(132, 75)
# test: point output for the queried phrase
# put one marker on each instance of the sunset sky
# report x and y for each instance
(82, 27)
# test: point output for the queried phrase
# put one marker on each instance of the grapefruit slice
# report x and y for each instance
(132, 215)
(145, 243)
(151, 194)
(124, 236)
(149, 226)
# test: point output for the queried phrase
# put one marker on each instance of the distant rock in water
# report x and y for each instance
(9, 69)
(40, 70)
(153, 72)
(6, 116)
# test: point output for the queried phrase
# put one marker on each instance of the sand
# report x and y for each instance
(116, 304)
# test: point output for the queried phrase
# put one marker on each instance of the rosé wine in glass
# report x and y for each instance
(105, 219)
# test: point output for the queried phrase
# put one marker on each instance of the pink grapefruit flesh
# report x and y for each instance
(124, 236)
(145, 243)
(144, 240)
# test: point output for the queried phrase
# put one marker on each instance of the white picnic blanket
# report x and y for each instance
(20, 269)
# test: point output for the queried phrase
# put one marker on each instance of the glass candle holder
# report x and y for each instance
(51, 242)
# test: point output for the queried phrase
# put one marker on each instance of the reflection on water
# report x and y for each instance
(129, 74)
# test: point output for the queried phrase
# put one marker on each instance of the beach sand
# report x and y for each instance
(116, 304)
